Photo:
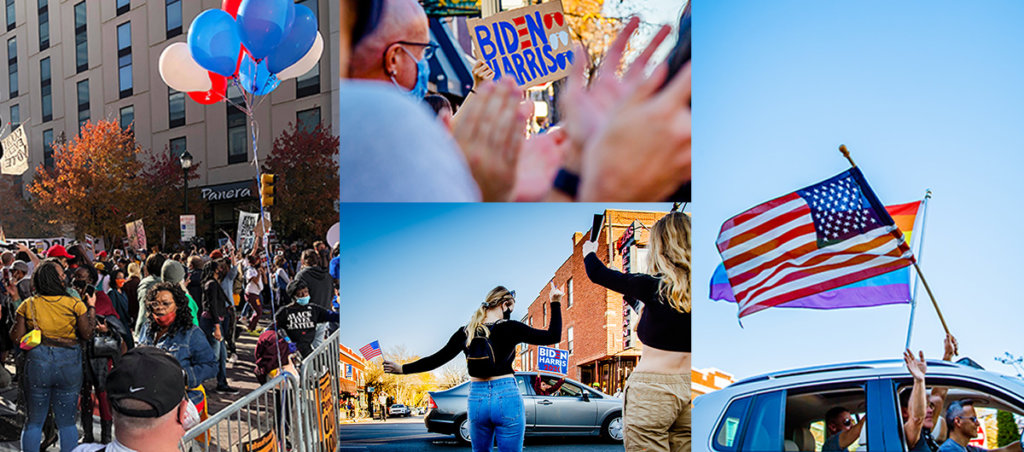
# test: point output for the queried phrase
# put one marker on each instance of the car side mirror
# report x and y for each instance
(585, 397)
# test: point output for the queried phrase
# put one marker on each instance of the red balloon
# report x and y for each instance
(214, 95)
(231, 6)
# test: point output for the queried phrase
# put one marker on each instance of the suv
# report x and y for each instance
(574, 409)
(399, 410)
(784, 411)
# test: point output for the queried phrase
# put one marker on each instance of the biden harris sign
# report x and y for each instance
(529, 44)
(553, 360)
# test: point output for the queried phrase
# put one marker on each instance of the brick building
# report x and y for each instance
(602, 343)
(351, 379)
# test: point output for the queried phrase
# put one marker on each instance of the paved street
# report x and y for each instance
(409, 434)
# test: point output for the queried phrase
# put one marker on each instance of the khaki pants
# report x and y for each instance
(656, 412)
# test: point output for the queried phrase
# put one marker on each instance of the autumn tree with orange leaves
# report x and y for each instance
(306, 184)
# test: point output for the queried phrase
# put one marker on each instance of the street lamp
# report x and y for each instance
(186, 163)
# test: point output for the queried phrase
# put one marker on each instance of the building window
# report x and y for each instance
(309, 83)
(12, 67)
(308, 119)
(128, 117)
(237, 129)
(568, 335)
(568, 293)
(543, 314)
(10, 15)
(177, 146)
(15, 116)
(48, 148)
(124, 58)
(83, 103)
(43, 9)
(45, 89)
(176, 107)
(123, 6)
(81, 38)
(173, 18)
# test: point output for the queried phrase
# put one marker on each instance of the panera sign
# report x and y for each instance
(228, 192)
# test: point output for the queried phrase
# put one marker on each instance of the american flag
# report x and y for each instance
(818, 238)
(370, 351)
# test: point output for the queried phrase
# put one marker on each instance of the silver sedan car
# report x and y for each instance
(571, 409)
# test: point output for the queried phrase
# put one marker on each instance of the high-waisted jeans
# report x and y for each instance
(52, 380)
(496, 411)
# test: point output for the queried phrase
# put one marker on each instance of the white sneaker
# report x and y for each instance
(232, 358)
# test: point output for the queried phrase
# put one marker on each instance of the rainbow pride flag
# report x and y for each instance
(887, 288)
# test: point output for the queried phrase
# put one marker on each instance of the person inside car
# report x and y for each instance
(842, 431)
(545, 386)
(922, 434)
(963, 424)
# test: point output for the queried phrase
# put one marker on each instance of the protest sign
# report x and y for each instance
(553, 360)
(136, 235)
(15, 159)
(188, 227)
(246, 235)
(530, 44)
(328, 418)
(44, 243)
(265, 443)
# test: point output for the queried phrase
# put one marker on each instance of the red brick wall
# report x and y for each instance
(596, 313)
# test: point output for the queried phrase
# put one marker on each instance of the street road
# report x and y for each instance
(409, 435)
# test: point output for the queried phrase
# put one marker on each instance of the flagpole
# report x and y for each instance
(846, 153)
(920, 250)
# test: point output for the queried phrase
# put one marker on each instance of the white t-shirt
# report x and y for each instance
(251, 287)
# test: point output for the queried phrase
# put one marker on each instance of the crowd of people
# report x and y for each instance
(621, 135)
(72, 317)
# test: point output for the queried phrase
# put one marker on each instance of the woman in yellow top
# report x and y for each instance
(52, 376)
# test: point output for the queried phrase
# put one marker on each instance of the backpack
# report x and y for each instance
(480, 359)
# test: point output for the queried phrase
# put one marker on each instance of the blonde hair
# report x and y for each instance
(669, 258)
(495, 297)
(134, 270)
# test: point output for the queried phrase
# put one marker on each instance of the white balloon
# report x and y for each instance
(306, 63)
(181, 72)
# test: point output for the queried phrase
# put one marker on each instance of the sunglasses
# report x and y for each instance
(973, 419)
(847, 422)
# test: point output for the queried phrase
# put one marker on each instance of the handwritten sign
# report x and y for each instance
(553, 360)
(246, 235)
(530, 44)
(15, 159)
(44, 244)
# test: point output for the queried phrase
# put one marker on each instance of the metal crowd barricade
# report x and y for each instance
(267, 416)
(319, 395)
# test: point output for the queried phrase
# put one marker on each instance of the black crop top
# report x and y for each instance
(504, 337)
(661, 326)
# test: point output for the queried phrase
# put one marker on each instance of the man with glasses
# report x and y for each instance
(842, 430)
(398, 50)
(963, 426)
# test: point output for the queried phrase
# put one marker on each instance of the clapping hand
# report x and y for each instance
(489, 131)
(392, 367)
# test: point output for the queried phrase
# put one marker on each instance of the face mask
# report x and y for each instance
(119, 282)
(506, 314)
(192, 418)
(302, 301)
(165, 320)
(422, 75)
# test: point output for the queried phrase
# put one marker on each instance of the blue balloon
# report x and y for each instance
(262, 24)
(294, 46)
(255, 78)
(214, 42)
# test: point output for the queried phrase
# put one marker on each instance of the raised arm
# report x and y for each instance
(551, 335)
(912, 427)
(455, 345)
(634, 285)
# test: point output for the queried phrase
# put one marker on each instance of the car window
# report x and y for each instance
(764, 427)
(726, 437)
(521, 382)
(569, 390)
(805, 426)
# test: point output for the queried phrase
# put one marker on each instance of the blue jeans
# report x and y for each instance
(496, 411)
(219, 349)
(52, 381)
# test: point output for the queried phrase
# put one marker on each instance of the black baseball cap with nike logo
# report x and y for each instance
(150, 375)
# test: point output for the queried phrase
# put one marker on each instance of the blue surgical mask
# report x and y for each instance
(419, 91)
(302, 301)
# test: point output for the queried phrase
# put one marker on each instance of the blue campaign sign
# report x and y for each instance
(552, 360)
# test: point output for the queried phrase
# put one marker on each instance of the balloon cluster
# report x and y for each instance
(254, 43)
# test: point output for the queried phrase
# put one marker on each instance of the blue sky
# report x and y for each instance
(411, 274)
(924, 96)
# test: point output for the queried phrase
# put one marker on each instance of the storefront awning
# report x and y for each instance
(449, 70)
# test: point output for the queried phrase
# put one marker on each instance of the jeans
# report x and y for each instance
(496, 410)
(52, 381)
(220, 351)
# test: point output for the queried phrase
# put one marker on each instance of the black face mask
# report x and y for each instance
(506, 314)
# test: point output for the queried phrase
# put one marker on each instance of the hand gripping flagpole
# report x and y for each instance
(920, 253)
(913, 260)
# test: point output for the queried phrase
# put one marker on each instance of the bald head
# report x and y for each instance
(377, 57)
